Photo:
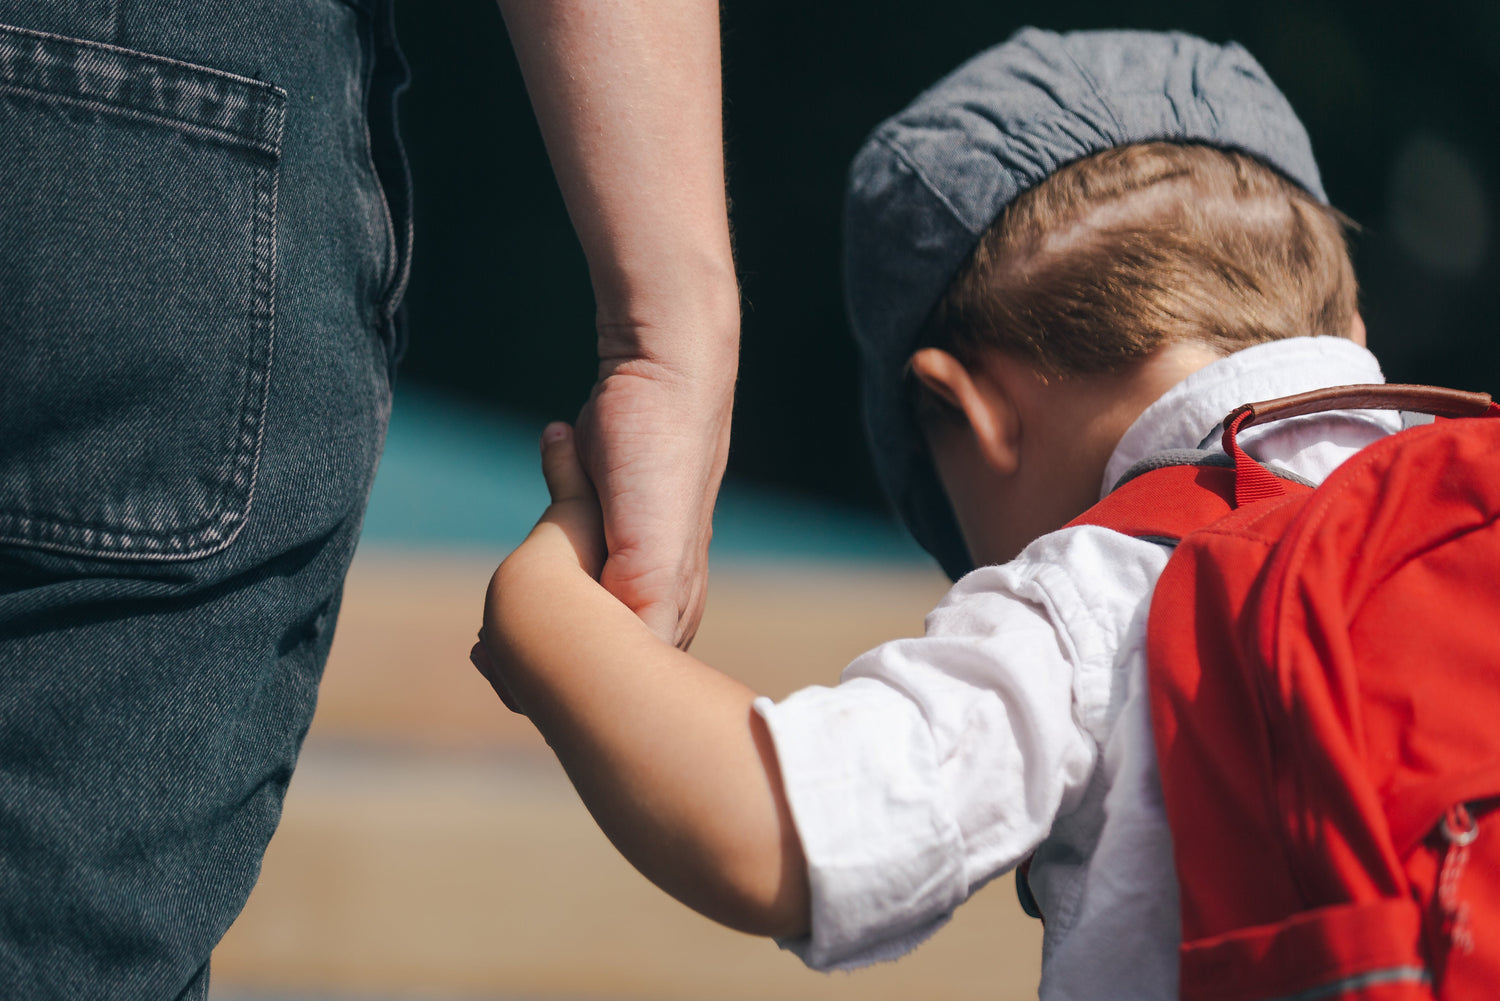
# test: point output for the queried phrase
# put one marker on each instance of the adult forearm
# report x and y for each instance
(628, 96)
(666, 752)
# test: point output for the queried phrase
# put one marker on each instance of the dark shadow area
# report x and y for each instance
(1400, 99)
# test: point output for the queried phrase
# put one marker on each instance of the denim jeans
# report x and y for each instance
(204, 235)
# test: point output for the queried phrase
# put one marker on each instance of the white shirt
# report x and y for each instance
(1018, 723)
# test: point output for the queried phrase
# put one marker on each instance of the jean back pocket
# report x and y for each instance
(137, 298)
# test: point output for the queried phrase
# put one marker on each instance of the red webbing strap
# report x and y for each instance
(1252, 481)
(1493, 410)
(1165, 503)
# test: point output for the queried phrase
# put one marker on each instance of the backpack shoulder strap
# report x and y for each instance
(1168, 495)
(1185, 490)
(1176, 494)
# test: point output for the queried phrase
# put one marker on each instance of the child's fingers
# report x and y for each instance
(561, 466)
(575, 506)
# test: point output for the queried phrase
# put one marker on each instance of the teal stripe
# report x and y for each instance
(1372, 978)
(456, 476)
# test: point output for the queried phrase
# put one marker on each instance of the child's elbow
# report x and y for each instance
(784, 915)
(780, 919)
(763, 858)
(761, 892)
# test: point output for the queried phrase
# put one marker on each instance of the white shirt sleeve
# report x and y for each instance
(935, 765)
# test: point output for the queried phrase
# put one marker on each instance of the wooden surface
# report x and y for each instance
(432, 848)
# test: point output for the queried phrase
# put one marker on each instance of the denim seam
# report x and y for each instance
(404, 240)
(125, 111)
(1098, 94)
(378, 36)
(393, 264)
(134, 54)
(244, 94)
(265, 271)
(931, 188)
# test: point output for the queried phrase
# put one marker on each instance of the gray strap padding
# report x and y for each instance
(1197, 457)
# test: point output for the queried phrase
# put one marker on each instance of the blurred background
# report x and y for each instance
(430, 848)
(1401, 100)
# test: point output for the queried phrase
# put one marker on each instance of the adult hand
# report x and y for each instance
(654, 437)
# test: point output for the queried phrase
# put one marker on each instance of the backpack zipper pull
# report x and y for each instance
(1459, 829)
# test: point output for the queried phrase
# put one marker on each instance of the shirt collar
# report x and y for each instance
(1190, 411)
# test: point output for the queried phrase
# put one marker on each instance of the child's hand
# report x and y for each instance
(575, 506)
(572, 526)
(669, 755)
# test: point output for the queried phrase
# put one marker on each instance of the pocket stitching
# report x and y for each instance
(238, 472)
(176, 125)
(204, 538)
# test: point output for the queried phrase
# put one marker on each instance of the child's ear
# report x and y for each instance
(981, 403)
(941, 375)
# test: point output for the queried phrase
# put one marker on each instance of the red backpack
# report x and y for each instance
(1325, 695)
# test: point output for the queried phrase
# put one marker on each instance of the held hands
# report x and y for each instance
(658, 471)
(654, 438)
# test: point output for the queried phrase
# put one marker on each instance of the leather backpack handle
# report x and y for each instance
(1419, 399)
(1253, 482)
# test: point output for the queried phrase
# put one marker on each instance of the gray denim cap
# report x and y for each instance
(930, 180)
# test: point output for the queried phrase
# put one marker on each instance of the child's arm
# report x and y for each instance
(667, 753)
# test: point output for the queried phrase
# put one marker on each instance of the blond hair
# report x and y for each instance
(1143, 245)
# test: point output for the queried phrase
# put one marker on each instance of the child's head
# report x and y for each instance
(1090, 296)
(1139, 246)
(1073, 223)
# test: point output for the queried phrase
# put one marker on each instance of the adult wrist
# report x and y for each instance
(691, 330)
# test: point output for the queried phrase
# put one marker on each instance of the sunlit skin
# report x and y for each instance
(1021, 454)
